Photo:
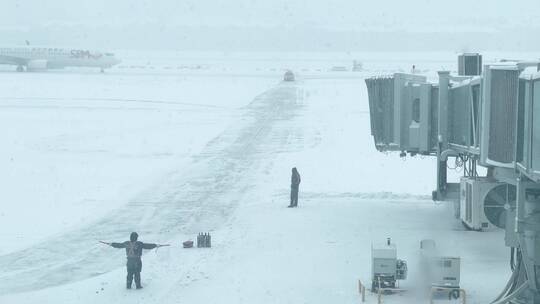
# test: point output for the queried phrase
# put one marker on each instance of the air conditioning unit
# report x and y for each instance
(469, 64)
(499, 116)
(484, 202)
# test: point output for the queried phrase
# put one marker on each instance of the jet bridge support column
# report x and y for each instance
(528, 230)
(442, 141)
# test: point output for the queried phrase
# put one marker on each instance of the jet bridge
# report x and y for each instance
(487, 120)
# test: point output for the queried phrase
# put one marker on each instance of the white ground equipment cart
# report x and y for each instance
(442, 273)
(386, 268)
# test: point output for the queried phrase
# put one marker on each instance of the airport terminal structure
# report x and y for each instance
(487, 116)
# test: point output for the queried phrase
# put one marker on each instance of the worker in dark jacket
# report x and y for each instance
(134, 250)
(295, 184)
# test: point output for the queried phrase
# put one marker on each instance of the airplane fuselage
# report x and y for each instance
(42, 58)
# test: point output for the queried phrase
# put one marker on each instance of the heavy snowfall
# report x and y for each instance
(195, 130)
(174, 149)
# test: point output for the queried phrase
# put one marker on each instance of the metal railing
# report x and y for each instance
(362, 290)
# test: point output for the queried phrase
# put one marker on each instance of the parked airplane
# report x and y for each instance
(34, 58)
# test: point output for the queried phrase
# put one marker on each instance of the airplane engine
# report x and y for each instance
(37, 65)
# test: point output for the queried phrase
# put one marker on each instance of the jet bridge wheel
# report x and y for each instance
(20, 68)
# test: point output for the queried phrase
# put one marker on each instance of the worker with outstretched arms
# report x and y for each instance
(134, 250)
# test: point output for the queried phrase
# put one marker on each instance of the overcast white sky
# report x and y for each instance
(335, 14)
(274, 24)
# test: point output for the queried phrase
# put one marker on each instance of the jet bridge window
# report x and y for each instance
(475, 129)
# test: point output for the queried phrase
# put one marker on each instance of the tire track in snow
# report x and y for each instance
(200, 197)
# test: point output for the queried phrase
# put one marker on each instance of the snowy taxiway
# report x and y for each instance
(209, 148)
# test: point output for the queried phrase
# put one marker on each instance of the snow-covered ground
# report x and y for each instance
(205, 144)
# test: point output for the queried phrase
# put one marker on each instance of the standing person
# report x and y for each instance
(295, 184)
(134, 250)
